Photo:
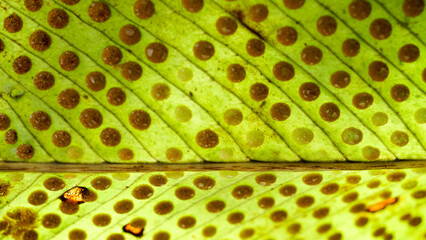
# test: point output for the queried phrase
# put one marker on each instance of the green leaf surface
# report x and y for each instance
(44, 123)
(213, 83)
(217, 205)
(389, 41)
(272, 58)
(17, 135)
(329, 66)
(253, 136)
(297, 130)
(410, 13)
(393, 88)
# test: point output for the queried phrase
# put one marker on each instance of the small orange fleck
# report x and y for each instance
(75, 195)
(135, 231)
(381, 205)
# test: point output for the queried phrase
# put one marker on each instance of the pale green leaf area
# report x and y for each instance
(374, 204)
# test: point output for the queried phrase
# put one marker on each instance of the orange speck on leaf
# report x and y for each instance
(381, 205)
(135, 231)
(75, 195)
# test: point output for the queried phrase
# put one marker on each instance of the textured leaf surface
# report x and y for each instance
(386, 38)
(253, 90)
(270, 65)
(409, 12)
(145, 81)
(389, 204)
(330, 67)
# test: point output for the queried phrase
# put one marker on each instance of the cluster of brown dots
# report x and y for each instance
(381, 232)
(165, 207)
(24, 151)
(95, 81)
(413, 221)
(20, 223)
(70, 98)
(279, 215)
(381, 29)
(158, 52)
(377, 70)
(283, 71)
(203, 184)
(308, 91)
(144, 192)
(327, 25)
